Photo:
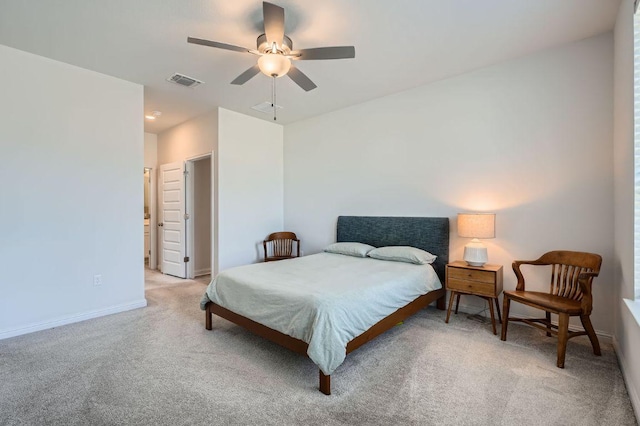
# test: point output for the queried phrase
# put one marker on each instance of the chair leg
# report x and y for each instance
(563, 336)
(505, 318)
(586, 323)
(548, 315)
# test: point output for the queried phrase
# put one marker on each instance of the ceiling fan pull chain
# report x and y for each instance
(273, 97)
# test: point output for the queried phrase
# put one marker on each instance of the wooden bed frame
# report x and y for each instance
(404, 231)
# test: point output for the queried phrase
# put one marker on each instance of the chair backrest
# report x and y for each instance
(566, 267)
(280, 244)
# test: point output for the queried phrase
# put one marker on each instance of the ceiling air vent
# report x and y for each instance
(183, 80)
(266, 107)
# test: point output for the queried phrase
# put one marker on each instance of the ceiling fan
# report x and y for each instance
(276, 51)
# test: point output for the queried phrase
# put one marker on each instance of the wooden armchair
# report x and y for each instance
(569, 295)
(279, 246)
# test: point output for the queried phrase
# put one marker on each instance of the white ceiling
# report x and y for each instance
(399, 44)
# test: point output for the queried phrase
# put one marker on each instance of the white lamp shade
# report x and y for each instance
(476, 225)
(274, 64)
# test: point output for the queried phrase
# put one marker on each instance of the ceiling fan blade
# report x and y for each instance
(273, 23)
(336, 52)
(301, 79)
(247, 75)
(218, 45)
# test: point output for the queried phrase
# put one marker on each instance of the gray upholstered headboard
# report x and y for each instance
(426, 233)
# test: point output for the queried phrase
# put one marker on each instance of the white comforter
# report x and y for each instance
(324, 299)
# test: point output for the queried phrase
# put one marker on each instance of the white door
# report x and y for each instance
(172, 223)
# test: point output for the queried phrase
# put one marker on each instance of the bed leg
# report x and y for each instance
(207, 321)
(325, 383)
(441, 303)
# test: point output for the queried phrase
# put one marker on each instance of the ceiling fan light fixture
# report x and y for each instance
(274, 64)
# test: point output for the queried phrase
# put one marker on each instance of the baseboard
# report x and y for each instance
(200, 272)
(5, 334)
(634, 396)
(470, 309)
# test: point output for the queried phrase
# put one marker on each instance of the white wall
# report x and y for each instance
(529, 139)
(192, 138)
(250, 186)
(71, 142)
(150, 150)
(627, 329)
(248, 178)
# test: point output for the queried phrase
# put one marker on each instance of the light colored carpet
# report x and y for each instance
(159, 365)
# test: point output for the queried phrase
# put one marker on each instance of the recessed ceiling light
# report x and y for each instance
(153, 115)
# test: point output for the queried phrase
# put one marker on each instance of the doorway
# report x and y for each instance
(186, 230)
(149, 219)
(200, 213)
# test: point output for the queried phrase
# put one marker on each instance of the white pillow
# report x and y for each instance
(349, 249)
(403, 254)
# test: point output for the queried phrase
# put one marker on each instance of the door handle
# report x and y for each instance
(161, 224)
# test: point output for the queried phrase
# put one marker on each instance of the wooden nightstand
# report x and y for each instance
(482, 281)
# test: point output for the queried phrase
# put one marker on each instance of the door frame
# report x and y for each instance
(153, 220)
(190, 230)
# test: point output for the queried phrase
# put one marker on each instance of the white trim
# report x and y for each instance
(5, 334)
(153, 220)
(634, 308)
(631, 390)
(636, 153)
(200, 272)
(189, 209)
(191, 273)
(199, 157)
(214, 223)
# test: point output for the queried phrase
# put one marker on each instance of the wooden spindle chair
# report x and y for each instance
(572, 274)
(279, 246)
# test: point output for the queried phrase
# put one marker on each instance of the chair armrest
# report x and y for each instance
(585, 280)
(516, 269)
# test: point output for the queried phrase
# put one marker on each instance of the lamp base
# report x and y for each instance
(475, 253)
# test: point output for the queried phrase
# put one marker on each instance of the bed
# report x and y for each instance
(326, 293)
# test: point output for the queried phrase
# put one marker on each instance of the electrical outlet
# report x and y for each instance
(97, 280)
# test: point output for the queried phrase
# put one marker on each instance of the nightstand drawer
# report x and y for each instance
(472, 275)
(467, 286)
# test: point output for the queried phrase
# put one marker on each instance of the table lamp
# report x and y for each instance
(476, 225)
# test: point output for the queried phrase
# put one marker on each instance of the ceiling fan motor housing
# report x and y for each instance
(263, 46)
